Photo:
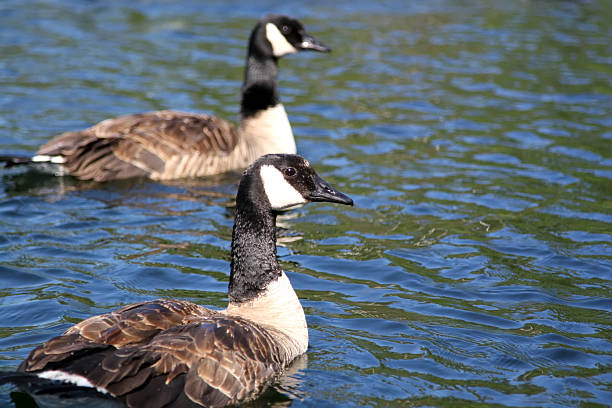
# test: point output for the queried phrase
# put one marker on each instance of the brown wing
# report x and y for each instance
(211, 360)
(133, 324)
(140, 145)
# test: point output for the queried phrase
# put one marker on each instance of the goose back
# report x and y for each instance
(162, 145)
(165, 353)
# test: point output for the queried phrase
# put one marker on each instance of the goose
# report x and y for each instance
(174, 353)
(168, 144)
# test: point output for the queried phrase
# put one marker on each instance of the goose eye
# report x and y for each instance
(289, 172)
(285, 29)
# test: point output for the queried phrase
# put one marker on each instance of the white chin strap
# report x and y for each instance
(280, 45)
(280, 193)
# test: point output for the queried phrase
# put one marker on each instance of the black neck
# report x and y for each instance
(259, 87)
(254, 264)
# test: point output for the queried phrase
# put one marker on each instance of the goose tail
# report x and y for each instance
(11, 161)
(52, 393)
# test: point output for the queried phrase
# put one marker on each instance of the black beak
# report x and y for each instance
(311, 43)
(326, 193)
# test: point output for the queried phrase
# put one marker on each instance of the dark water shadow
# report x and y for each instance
(209, 189)
(32, 182)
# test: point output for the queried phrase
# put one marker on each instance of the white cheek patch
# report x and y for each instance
(281, 194)
(280, 45)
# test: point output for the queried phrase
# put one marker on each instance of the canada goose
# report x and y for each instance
(173, 353)
(168, 144)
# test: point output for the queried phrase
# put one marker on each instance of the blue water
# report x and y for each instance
(476, 139)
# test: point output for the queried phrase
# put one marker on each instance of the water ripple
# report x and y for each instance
(474, 269)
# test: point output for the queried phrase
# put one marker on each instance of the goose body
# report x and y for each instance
(170, 144)
(173, 353)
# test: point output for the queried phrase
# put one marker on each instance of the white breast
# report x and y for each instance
(268, 131)
(277, 307)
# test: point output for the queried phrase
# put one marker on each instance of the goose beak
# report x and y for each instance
(326, 193)
(311, 43)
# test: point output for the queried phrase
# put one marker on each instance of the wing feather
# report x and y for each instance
(141, 145)
(175, 350)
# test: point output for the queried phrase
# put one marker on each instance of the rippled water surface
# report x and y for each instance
(475, 268)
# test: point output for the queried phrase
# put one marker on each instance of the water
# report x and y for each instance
(475, 268)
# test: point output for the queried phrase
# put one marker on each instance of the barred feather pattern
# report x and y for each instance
(168, 353)
(161, 145)
(165, 145)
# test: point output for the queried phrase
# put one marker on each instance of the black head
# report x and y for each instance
(288, 180)
(273, 182)
(279, 35)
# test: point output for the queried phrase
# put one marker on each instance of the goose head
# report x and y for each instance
(279, 35)
(273, 183)
(285, 181)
